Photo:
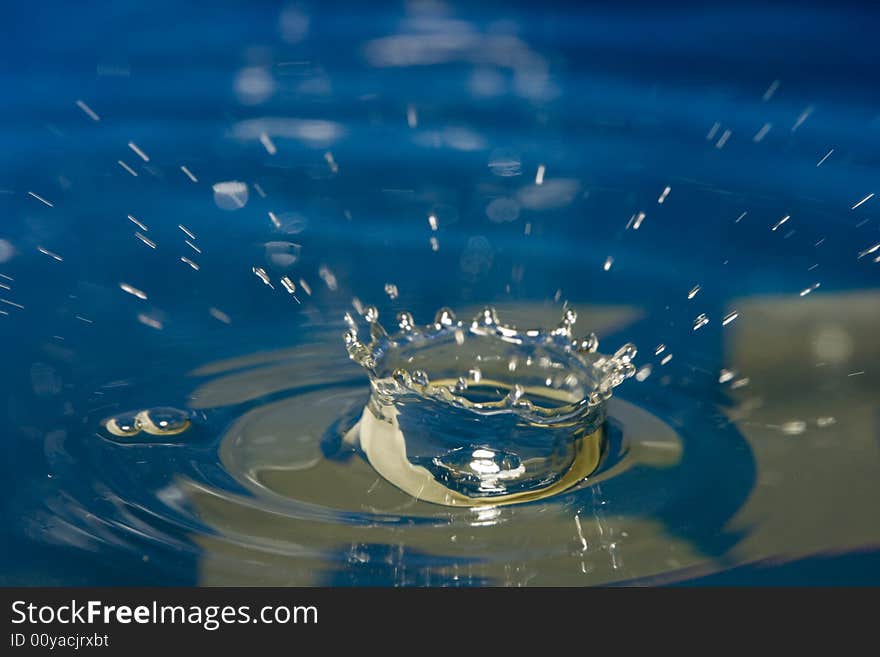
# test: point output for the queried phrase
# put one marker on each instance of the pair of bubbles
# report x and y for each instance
(161, 421)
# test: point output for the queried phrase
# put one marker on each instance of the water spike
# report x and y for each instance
(405, 322)
(357, 351)
(588, 344)
(515, 395)
(371, 314)
(402, 377)
(444, 317)
(487, 317)
(569, 316)
(626, 353)
(461, 385)
(377, 332)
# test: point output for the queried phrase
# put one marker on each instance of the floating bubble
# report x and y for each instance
(164, 421)
(124, 425)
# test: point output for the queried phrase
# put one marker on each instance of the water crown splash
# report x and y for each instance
(483, 413)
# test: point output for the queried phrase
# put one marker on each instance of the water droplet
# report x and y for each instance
(405, 322)
(231, 195)
(588, 344)
(806, 291)
(794, 427)
(254, 85)
(402, 377)
(282, 254)
(444, 317)
(391, 291)
(626, 353)
(328, 277)
(420, 377)
(487, 317)
(371, 314)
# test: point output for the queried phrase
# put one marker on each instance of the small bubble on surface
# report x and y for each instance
(123, 425)
(164, 421)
